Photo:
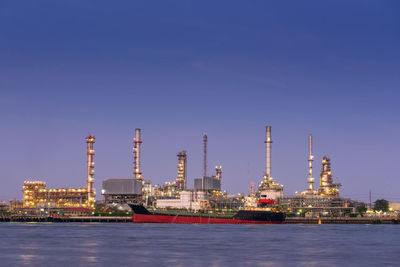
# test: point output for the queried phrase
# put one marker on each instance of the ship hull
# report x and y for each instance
(140, 218)
(142, 215)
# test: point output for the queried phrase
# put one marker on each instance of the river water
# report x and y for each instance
(125, 244)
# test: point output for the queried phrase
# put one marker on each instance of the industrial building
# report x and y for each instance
(191, 200)
(126, 190)
(15, 205)
(37, 196)
(208, 183)
(122, 190)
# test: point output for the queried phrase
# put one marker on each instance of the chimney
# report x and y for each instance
(137, 173)
(205, 155)
(268, 142)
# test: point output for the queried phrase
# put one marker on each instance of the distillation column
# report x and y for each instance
(310, 163)
(219, 172)
(182, 170)
(268, 142)
(326, 183)
(137, 173)
(90, 171)
(205, 155)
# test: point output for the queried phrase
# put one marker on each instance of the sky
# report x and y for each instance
(178, 69)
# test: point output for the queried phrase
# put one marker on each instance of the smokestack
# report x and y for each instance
(310, 162)
(205, 155)
(137, 173)
(90, 171)
(268, 142)
(182, 170)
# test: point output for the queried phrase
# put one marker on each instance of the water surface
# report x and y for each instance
(125, 244)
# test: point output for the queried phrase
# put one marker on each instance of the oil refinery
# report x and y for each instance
(206, 195)
(207, 192)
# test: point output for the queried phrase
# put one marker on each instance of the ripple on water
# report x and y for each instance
(198, 245)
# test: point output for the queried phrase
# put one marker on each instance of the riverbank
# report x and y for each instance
(128, 219)
(100, 219)
(343, 220)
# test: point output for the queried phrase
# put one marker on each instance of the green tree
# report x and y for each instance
(381, 204)
(361, 208)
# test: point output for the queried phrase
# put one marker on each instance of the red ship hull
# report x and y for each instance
(144, 218)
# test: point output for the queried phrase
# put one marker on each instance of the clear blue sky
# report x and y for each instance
(177, 69)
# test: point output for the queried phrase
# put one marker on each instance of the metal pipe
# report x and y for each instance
(268, 142)
(137, 173)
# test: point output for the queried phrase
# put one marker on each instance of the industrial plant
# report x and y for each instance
(322, 201)
(206, 195)
(36, 197)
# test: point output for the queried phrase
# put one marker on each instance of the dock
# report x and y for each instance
(86, 219)
(343, 220)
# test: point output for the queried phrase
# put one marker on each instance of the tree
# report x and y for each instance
(381, 205)
(361, 208)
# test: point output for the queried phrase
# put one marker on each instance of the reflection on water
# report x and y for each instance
(69, 244)
(28, 259)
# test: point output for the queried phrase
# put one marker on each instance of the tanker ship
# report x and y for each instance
(259, 216)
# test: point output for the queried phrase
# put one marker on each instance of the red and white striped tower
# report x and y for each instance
(205, 138)
(268, 142)
(310, 163)
(90, 171)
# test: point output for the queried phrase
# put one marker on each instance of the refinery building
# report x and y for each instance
(37, 197)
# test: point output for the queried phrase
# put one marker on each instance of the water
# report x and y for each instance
(102, 244)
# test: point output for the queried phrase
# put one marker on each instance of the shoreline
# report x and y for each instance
(128, 219)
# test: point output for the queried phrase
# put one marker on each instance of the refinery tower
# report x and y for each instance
(268, 188)
(326, 186)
